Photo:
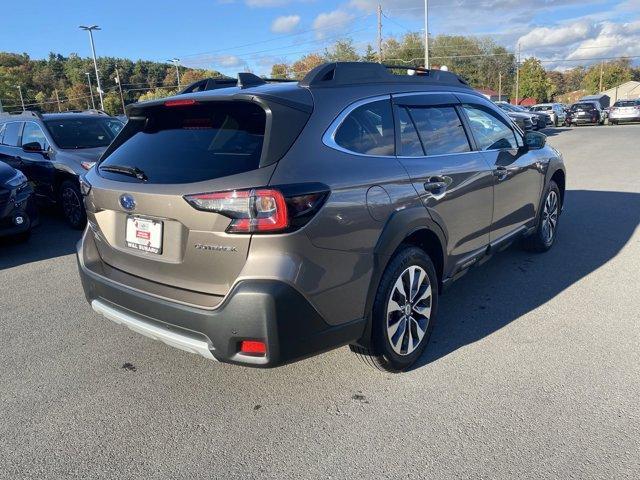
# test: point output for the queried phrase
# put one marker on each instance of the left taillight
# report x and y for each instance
(261, 210)
(251, 211)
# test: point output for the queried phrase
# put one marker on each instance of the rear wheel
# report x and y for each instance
(543, 238)
(404, 312)
(72, 205)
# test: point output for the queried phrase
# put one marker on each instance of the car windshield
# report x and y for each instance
(627, 103)
(85, 132)
(507, 107)
(542, 108)
(582, 106)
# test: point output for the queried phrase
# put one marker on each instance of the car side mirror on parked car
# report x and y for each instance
(33, 147)
(535, 140)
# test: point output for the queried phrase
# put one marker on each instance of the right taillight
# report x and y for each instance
(260, 210)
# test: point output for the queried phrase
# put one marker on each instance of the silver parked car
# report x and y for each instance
(625, 111)
(555, 112)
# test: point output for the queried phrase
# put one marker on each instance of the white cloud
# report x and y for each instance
(329, 22)
(557, 35)
(612, 40)
(285, 24)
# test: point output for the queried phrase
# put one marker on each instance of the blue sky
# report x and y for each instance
(215, 33)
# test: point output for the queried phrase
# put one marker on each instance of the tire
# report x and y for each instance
(393, 347)
(555, 122)
(543, 238)
(72, 205)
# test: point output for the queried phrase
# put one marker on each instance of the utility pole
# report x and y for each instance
(58, 100)
(379, 33)
(518, 76)
(93, 103)
(176, 62)
(21, 99)
(426, 33)
(601, 68)
(499, 86)
(120, 87)
(90, 29)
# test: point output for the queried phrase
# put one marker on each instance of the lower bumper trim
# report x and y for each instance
(171, 338)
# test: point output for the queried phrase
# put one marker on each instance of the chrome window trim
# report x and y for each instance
(329, 136)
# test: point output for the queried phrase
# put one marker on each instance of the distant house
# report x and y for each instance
(625, 91)
(525, 102)
(491, 94)
(571, 97)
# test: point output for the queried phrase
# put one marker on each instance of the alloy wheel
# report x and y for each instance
(71, 206)
(409, 310)
(550, 216)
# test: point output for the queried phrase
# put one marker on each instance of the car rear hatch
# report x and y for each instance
(202, 143)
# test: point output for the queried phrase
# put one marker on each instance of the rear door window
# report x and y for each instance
(191, 144)
(368, 130)
(440, 130)
(12, 134)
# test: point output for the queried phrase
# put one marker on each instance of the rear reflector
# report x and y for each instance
(183, 102)
(253, 347)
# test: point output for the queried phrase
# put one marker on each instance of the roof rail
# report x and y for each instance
(27, 113)
(356, 73)
(95, 111)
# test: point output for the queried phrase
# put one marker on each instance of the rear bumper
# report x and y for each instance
(624, 118)
(266, 310)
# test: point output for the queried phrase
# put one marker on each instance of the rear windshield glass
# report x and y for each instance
(77, 133)
(186, 144)
(583, 106)
(627, 103)
(542, 108)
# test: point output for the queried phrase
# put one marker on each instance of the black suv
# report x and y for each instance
(53, 150)
(17, 209)
(261, 223)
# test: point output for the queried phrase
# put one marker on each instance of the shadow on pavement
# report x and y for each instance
(594, 227)
(51, 238)
(553, 131)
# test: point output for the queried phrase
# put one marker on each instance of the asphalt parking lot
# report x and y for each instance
(532, 372)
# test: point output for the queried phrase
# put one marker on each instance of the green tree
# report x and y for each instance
(342, 51)
(112, 103)
(534, 82)
(280, 70)
(613, 73)
(305, 64)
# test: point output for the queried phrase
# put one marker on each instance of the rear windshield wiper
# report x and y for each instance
(125, 170)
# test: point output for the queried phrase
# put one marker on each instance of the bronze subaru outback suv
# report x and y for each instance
(260, 223)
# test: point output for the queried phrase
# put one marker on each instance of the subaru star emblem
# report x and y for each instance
(127, 202)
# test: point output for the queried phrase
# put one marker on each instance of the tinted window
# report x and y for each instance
(490, 132)
(82, 132)
(440, 129)
(410, 145)
(542, 108)
(192, 144)
(627, 103)
(1, 132)
(32, 133)
(11, 134)
(586, 107)
(368, 129)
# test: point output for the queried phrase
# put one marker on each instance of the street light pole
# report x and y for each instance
(426, 33)
(93, 103)
(176, 62)
(90, 29)
(21, 99)
(120, 88)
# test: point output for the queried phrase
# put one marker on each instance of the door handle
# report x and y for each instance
(501, 172)
(437, 184)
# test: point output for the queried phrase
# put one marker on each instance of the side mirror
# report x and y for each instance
(33, 147)
(535, 140)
